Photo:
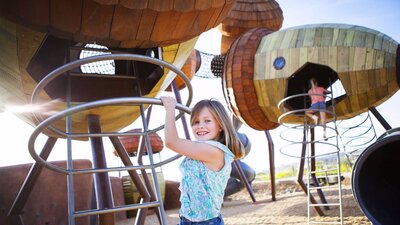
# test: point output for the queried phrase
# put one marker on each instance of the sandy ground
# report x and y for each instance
(290, 207)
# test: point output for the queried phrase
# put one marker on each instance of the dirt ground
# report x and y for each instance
(290, 207)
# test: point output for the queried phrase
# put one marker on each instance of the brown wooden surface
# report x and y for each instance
(238, 81)
(190, 68)
(126, 24)
(364, 59)
(131, 143)
(248, 14)
(47, 202)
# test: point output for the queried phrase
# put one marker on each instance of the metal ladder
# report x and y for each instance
(316, 154)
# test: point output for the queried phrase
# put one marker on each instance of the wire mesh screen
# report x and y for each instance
(208, 67)
(101, 67)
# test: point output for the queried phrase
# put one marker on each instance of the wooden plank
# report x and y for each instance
(203, 4)
(333, 58)
(312, 55)
(379, 59)
(362, 81)
(369, 40)
(184, 5)
(119, 30)
(372, 79)
(300, 38)
(343, 59)
(346, 82)
(96, 19)
(309, 37)
(287, 39)
(34, 12)
(164, 26)
(303, 56)
(370, 59)
(353, 83)
(378, 42)
(60, 10)
(341, 37)
(220, 3)
(327, 37)
(214, 18)
(293, 42)
(348, 41)
(317, 37)
(359, 39)
(137, 4)
(147, 21)
(294, 64)
(323, 56)
(161, 5)
(185, 25)
(359, 58)
(363, 101)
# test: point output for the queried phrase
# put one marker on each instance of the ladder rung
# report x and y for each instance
(325, 204)
(327, 170)
(324, 222)
(324, 187)
(93, 212)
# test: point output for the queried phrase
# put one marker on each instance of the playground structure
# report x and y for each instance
(288, 58)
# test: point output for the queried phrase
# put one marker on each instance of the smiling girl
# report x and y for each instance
(207, 165)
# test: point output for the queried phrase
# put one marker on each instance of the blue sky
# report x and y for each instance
(383, 16)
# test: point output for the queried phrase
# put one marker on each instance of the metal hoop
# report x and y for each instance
(69, 66)
(114, 101)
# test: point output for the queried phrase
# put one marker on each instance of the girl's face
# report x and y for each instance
(205, 126)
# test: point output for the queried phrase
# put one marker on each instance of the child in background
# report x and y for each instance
(317, 95)
(207, 165)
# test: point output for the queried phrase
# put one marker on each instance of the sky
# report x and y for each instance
(382, 16)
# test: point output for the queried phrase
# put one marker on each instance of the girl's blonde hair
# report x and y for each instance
(228, 134)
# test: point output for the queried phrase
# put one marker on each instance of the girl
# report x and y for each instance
(316, 94)
(207, 165)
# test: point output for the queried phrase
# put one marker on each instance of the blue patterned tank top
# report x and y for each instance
(202, 190)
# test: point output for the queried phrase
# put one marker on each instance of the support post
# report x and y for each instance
(30, 180)
(102, 180)
(271, 164)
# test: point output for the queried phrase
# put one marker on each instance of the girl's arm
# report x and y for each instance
(194, 150)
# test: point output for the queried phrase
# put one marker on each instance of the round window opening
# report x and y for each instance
(279, 63)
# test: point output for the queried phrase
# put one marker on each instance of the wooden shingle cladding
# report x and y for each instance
(249, 14)
(124, 24)
(365, 60)
(239, 89)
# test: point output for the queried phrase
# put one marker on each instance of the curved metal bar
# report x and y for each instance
(298, 95)
(69, 66)
(114, 101)
(301, 141)
(281, 102)
(334, 151)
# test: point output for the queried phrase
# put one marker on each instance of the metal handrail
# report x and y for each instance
(114, 101)
(69, 66)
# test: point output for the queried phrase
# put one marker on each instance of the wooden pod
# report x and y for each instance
(19, 46)
(124, 24)
(238, 85)
(190, 68)
(365, 61)
(131, 143)
(248, 14)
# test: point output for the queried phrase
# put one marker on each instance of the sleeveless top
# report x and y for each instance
(317, 98)
(202, 190)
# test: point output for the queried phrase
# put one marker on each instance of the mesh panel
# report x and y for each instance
(100, 67)
(207, 62)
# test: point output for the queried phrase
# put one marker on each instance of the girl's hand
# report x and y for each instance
(169, 103)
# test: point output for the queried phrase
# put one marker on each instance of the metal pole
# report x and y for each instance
(102, 181)
(271, 163)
